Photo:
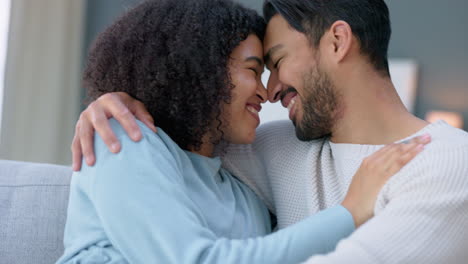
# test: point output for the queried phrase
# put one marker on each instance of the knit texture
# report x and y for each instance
(421, 214)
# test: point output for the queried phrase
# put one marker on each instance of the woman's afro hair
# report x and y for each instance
(173, 55)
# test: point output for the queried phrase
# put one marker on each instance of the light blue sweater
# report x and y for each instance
(156, 203)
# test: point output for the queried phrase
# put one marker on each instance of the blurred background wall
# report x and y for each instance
(431, 32)
(41, 81)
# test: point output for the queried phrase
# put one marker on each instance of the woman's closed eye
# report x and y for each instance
(254, 70)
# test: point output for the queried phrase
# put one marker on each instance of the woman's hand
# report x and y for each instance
(374, 172)
(118, 105)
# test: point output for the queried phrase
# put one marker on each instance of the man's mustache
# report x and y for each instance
(285, 92)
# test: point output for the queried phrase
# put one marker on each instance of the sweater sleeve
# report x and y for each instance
(424, 220)
(148, 217)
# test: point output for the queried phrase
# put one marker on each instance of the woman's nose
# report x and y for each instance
(262, 93)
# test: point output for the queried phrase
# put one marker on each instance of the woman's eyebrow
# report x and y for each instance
(256, 59)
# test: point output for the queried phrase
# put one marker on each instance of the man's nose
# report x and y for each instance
(274, 88)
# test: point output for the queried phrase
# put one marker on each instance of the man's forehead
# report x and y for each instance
(277, 31)
(270, 46)
(271, 35)
(270, 51)
(280, 32)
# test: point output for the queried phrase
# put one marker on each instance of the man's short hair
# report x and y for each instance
(369, 20)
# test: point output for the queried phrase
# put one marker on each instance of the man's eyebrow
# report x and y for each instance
(270, 52)
(255, 58)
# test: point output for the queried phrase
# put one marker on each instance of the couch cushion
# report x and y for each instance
(33, 204)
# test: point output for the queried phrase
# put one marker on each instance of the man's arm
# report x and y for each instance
(244, 161)
(121, 106)
(425, 219)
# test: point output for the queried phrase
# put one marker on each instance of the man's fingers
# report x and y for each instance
(118, 110)
(77, 156)
(140, 112)
(87, 142)
(101, 125)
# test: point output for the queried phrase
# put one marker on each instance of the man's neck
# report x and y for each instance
(373, 113)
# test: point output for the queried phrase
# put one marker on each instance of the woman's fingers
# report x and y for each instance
(390, 152)
(423, 139)
(406, 157)
(397, 151)
(398, 155)
(374, 172)
(391, 158)
(377, 161)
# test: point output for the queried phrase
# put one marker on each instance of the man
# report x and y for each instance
(328, 62)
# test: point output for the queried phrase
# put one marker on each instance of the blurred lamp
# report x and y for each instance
(452, 118)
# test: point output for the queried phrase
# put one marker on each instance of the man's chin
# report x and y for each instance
(301, 136)
(309, 134)
(294, 122)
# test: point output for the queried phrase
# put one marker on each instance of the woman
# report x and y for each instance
(196, 65)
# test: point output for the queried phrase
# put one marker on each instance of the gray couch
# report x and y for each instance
(33, 207)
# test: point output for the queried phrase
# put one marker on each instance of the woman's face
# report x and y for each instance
(241, 115)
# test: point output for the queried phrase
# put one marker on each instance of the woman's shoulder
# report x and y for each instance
(156, 142)
(155, 161)
(153, 150)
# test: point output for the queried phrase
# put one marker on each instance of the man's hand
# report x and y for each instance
(117, 105)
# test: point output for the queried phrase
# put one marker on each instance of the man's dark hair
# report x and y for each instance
(172, 55)
(369, 20)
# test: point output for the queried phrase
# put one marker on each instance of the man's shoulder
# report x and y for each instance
(437, 174)
(446, 157)
(448, 143)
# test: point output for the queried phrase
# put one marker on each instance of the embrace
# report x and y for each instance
(354, 178)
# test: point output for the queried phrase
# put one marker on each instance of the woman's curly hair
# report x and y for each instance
(173, 55)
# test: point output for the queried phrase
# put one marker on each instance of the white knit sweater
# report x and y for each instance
(421, 214)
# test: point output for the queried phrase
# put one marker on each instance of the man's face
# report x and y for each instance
(299, 81)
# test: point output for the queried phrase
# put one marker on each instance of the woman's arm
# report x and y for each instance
(150, 219)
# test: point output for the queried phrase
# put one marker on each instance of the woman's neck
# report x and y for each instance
(207, 147)
(206, 150)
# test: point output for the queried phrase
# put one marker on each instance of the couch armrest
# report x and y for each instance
(33, 209)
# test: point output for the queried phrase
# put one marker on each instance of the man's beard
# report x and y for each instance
(320, 106)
